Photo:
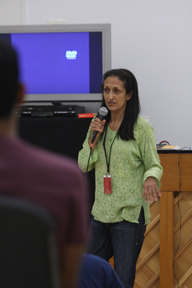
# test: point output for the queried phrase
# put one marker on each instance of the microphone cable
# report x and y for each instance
(89, 159)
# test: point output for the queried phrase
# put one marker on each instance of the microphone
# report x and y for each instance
(103, 111)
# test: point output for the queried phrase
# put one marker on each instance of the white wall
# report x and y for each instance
(12, 12)
(152, 38)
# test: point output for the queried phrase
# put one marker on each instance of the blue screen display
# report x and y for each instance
(59, 63)
(54, 62)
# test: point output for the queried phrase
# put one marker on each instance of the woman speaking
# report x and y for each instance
(127, 175)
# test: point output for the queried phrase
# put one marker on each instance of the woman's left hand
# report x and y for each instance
(151, 190)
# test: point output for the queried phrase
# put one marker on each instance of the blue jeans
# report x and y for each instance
(123, 240)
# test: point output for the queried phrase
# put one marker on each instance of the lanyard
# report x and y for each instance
(108, 162)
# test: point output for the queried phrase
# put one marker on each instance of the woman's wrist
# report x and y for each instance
(94, 144)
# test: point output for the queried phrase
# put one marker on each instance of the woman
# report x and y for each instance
(124, 151)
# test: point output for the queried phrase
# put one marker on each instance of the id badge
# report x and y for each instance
(107, 184)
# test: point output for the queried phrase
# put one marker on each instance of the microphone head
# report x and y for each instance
(103, 111)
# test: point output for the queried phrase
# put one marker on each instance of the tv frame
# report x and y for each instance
(105, 28)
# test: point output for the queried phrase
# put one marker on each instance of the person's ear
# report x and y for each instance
(20, 94)
(128, 96)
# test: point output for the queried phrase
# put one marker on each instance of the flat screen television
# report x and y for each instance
(61, 62)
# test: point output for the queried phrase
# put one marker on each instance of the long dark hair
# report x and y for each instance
(132, 110)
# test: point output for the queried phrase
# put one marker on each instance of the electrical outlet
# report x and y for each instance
(56, 21)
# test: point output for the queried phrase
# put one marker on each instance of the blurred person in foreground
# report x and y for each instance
(127, 175)
(46, 179)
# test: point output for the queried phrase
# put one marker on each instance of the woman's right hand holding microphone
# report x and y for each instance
(98, 126)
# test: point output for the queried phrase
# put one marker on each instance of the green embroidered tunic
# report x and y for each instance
(131, 163)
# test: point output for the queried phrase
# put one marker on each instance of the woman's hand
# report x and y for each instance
(96, 125)
(151, 191)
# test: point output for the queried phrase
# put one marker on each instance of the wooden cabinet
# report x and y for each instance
(176, 184)
(165, 260)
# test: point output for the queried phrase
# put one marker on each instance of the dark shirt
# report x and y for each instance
(49, 180)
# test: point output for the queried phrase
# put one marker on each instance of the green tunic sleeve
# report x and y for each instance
(84, 154)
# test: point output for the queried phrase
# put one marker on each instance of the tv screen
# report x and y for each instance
(61, 62)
